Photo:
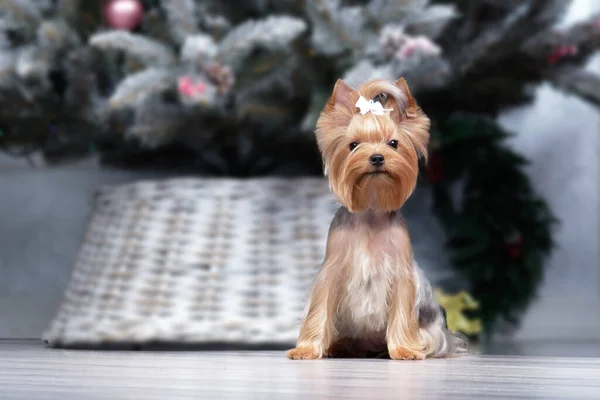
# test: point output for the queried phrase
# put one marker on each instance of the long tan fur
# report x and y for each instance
(370, 298)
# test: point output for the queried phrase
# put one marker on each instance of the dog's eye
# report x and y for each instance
(381, 98)
(353, 145)
(393, 143)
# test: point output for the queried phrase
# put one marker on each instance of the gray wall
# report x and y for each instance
(43, 213)
(561, 136)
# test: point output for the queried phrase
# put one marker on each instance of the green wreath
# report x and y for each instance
(500, 231)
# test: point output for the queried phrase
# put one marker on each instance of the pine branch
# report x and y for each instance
(136, 87)
(155, 123)
(365, 70)
(147, 51)
(336, 28)
(4, 41)
(397, 11)
(7, 62)
(581, 41)
(549, 12)
(431, 74)
(198, 47)
(584, 35)
(57, 35)
(68, 9)
(211, 22)
(21, 13)
(480, 49)
(579, 82)
(33, 63)
(256, 91)
(271, 33)
(181, 16)
(397, 53)
(493, 30)
(433, 20)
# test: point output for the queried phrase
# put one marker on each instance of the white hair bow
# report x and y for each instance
(374, 107)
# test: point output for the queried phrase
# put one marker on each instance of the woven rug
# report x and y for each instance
(196, 261)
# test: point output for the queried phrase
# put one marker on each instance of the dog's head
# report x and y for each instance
(371, 155)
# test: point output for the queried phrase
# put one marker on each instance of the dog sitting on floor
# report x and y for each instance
(370, 299)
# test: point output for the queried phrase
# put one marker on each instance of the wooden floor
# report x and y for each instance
(29, 371)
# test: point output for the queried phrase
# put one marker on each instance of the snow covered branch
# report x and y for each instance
(148, 51)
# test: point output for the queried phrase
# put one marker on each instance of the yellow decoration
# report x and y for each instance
(455, 305)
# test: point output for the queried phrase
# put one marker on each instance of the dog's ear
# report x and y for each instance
(343, 95)
(411, 104)
(414, 120)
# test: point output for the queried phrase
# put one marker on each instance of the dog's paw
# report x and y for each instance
(303, 353)
(401, 353)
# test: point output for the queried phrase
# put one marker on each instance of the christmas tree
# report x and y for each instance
(234, 88)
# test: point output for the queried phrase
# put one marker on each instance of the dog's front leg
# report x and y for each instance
(402, 334)
(316, 332)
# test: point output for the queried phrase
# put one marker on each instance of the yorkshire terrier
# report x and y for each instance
(370, 298)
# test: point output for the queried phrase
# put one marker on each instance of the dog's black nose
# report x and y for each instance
(377, 159)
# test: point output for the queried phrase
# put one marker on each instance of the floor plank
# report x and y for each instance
(30, 371)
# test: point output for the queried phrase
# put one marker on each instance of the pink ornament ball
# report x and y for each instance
(123, 14)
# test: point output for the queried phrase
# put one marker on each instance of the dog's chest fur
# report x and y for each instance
(372, 261)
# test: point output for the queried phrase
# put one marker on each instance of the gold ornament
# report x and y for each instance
(454, 306)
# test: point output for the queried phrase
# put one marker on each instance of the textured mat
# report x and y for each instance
(192, 261)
